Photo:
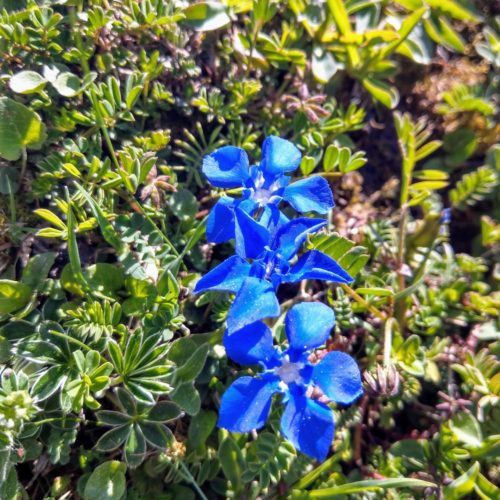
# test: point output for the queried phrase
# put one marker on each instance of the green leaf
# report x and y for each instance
(135, 447)
(323, 65)
(427, 149)
(352, 258)
(49, 382)
(406, 28)
(108, 231)
(307, 165)
(376, 291)
(381, 91)
(187, 397)
(36, 271)
(200, 427)
(474, 187)
(27, 82)
(16, 330)
(193, 366)
(13, 296)
(113, 438)
(20, 128)
(183, 204)
(462, 485)
(157, 435)
(466, 429)
(428, 185)
(206, 16)
(74, 256)
(431, 175)
(10, 487)
(369, 485)
(107, 482)
(340, 16)
(67, 84)
(231, 460)
(50, 217)
(460, 145)
(113, 418)
(164, 411)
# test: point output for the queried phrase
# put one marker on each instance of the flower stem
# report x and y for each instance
(192, 480)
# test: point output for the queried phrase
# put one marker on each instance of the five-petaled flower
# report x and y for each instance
(264, 185)
(307, 423)
(271, 249)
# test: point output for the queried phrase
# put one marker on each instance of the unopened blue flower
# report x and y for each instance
(265, 184)
(307, 423)
(271, 249)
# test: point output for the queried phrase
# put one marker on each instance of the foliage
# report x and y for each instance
(112, 371)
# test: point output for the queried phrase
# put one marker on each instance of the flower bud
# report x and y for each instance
(383, 381)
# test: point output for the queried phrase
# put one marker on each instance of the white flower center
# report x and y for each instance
(262, 196)
(289, 372)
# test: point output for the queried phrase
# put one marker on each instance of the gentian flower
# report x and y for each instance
(307, 423)
(265, 185)
(271, 249)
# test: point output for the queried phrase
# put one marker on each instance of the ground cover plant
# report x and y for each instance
(249, 249)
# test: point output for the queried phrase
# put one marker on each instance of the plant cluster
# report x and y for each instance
(158, 290)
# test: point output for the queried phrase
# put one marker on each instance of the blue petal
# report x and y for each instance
(227, 167)
(315, 265)
(310, 195)
(220, 223)
(255, 300)
(251, 345)
(251, 237)
(308, 325)
(279, 156)
(308, 425)
(289, 238)
(226, 277)
(246, 403)
(338, 376)
(272, 219)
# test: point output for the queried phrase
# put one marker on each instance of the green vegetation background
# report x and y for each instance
(111, 372)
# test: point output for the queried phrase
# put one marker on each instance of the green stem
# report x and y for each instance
(78, 40)
(104, 129)
(57, 419)
(314, 474)
(70, 339)
(12, 202)
(24, 164)
(388, 341)
(363, 302)
(192, 480)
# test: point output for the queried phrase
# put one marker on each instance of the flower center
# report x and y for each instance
(262, 196)
(289, 372)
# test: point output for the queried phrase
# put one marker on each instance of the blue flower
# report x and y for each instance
(265, 185)
(307, 423)
(271, 249)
